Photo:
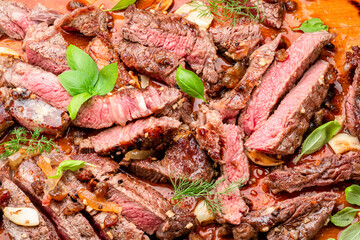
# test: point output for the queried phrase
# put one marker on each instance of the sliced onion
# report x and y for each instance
(28, 217)
(344, 142)
(9, 52)
(144, 81)
(262, 159)
(16, 159)
(193, 14)
(139, 154)
(100, 204)
(202, 213)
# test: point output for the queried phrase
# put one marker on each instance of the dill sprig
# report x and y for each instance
(224, 10)
(36, 144)
(184, 188)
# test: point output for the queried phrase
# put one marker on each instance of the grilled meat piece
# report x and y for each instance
(352, 105)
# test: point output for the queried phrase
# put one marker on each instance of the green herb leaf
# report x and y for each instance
(344, 217)
(75, 82)
(121, 5)
(72, 165)
(319, 137)
(313, 25)
(77, 59)
(190, 83)
(76, 103)
(351, 233)
(107, 79)
(352, 194)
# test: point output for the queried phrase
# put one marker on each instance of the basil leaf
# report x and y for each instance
(107, 79)
(190, 83)
(72, 165)
(351, 233)
(319, 137)
(74, 82)
(77, 59)
(313, 25)
(121, 5)
(76, 103)
(344, 217)
(352, 194)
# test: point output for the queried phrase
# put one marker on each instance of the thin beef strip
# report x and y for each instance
(44, 231)
(69, 227)
(183, 159)
(42, 14)
(282, 133)
(281, 77)
(173, 33)
(125, 105)
(143, 133)
(5, 120)
(45, 47)
(237, 41)
(352, 105)
(297, 218)
(151, 61)
(31, 112)
(46, 85)
(235, 100)
(271, 12)
(88, 20)
(331, 170)
(102, 52)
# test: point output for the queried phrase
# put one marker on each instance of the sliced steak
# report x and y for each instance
(45, 47)
(125, 105)
(88, 20)
(44, 231)
(331, 170)
(41, 14)
(146, 133)
(173, 33)
(296, 218)
(282, 133)
(237, 41)
(140, 203)
(271, 12)
(44, 84)
(31, 112)
(5, 120)
(352, 105)
(234, 100)
(281, 77)
(69, 227)
(102, 52)
(151, 61)
(14, 19)
(183, 159)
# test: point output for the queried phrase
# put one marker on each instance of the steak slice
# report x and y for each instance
(144, 133)
(151, 61)
(125, 105)
(173, 33)
(69, 227)
(140, 203)
(282, 133)
(44, 84)
(45, 47)
(236, 42)
(352, 105)
(331, 170)
(234, 100)
(295, 218)
(88, 20)
(5, 120)
(271, 12)
(41, 14)
(184, 159)
(32, 113)
(102, 52)
(44, 231)
(281, 77)
(14, 19)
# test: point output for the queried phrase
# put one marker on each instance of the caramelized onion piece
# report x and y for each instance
(16, 159)
(159, 5)
(100, 204)
(139, 154)
(262, 159)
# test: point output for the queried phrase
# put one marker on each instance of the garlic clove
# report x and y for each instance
(27, 217)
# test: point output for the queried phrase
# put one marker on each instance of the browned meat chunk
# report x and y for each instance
(271, 12)
(5, 120)
(41, 14)
(352, 105)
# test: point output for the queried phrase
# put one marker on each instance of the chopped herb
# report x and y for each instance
(190, 83)
(184, 188)
(84, 80)
(36, 144)
(312, 25)
(72, 165)
(319, 137)
(121, 5)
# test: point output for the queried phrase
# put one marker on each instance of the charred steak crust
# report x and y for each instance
(352, 105)
(5, 120)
